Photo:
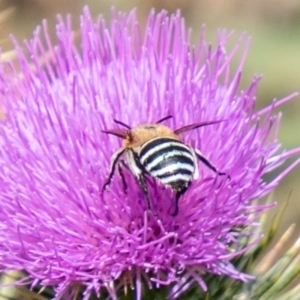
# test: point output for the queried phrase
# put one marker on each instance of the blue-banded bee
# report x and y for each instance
(157, 150)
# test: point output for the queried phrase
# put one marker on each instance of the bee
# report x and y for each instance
(158, 151)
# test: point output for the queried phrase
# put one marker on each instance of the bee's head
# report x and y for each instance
(134, 137)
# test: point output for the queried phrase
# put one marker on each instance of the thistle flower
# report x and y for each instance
(57, 226)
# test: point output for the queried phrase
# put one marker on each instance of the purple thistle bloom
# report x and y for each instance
(54, 221)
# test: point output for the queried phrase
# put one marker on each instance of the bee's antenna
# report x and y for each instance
(164, 119)
(121, 123)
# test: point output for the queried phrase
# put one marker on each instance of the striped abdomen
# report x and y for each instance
(168, 160)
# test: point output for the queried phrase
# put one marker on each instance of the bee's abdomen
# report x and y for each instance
(168, 160)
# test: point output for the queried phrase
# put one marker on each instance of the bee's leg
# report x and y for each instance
(121, 166)
(177, 196)
(175, 212)
(143, 185)
(114, 160)
(201, 157)
(139, 172)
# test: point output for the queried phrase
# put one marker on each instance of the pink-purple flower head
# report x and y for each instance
(57, 225)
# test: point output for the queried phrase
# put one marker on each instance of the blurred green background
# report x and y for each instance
(275, 50)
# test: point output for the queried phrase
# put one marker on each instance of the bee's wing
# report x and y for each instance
(122, 133)
(196, 125)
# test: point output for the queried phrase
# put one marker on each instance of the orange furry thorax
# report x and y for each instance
(143, 133)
